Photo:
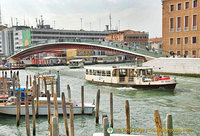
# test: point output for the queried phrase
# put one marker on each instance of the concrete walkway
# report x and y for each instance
(101, 134)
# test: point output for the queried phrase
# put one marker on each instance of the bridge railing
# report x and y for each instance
(120, 45)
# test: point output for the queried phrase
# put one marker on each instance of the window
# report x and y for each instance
(108, 73)
(86, 71)
(195, 3)
(194, 40)
(178, 41)
(171, 29)
(194, 53)
(179, 6)
(186, 53)
(187, 5)
(186, 40)
(171, 41)
(178, 53)
(171, 8)
(186, 23)
(178, 24)
(194, 22)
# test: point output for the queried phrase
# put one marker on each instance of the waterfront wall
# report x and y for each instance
(189, 66)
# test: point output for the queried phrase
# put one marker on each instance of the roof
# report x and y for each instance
(116, 67)
(155, 40)
(129, 32)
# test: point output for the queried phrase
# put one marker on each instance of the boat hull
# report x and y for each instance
(169, 87)
(43, 110)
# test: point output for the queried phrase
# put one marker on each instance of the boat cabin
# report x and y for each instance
(117, 74)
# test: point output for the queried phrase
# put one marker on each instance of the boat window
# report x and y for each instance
(122, 72)
(103, 73)
(114, 73)
(108, 73)
(91, 72)
(149, 72)
(94, 72)
(98, 72)
(86, 71)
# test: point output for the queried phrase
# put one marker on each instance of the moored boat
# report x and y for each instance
(129, 76)
(76, 63)
(9, 108)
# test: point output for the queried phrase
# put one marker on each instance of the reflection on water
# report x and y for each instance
(183, 104)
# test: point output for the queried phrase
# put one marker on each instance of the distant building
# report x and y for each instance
(136, 37)
(181, 27)
(14, 38)
(79, 52)
(155, 43)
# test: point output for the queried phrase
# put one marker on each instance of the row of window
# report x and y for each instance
(186, 23)
(67, 33)
(136, 37)
(186, 52)
(186, 6)
(185, 40)
(98, 72)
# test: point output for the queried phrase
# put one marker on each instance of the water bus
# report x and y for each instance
(76, 63)
(129, 76)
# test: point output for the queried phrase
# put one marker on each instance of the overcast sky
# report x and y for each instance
(140, 15)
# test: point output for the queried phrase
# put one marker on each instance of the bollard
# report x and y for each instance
(69, 93)
(49, 106)
(71, 116)
(55, 126)
(33, 116)
(27, 115)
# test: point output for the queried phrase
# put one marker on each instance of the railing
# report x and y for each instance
(136, 48)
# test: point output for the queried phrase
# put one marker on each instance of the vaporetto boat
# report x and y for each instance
(9, 108)
(129, 76)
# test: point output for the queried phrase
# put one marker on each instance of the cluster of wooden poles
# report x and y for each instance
(159, 129)
(5, 82)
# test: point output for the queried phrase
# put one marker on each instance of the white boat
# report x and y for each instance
(10, 107)
(129, 76)
(76, 63)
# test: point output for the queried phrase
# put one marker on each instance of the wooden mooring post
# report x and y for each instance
(49, 106)
(37, 100)
(97, 106)
(52, 88)
(58, 84)
(65, 113)
(127, 116)
(30, 81)
(27, 114)
(56, 110)
(18, 103)
(55, 126)
(105, 126)
(45, 85)
(158, 123)
(69, 93)
(71, 116)
(111, 110)
(169, 125)
(33, 116)
(82, 99)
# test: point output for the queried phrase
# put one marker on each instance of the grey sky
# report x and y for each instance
(142, 15)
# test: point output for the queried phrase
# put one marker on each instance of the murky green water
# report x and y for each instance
(183, 104)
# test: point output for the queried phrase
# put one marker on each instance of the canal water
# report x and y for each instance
(183, 105)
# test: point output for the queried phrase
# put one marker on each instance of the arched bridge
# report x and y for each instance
(60, 45)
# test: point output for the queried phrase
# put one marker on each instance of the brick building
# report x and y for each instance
(181, 27)
(136, 37)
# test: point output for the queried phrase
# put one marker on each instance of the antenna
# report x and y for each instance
(12, 21)
(0, 16)
(54, 24)
(110, 21)
(119, 24)
(81, 23)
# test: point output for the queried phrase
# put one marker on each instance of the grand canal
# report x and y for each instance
(183, 104)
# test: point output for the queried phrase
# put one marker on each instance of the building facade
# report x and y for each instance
(155, 43)
(14, 38)
(136, 37)
(181, 27)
